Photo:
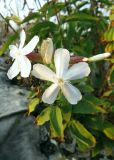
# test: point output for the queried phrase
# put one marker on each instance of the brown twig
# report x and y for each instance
(7, 23)
(33, 56)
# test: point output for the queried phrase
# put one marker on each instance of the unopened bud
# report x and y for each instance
(99, 57)
(47, 50)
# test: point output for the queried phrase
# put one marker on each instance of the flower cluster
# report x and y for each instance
(61, 79)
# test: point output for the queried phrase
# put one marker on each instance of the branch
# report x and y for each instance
(33, 56)
(7, 23)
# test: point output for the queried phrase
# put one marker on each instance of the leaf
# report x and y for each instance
(108, 129)
(82, 4)
(51, 8)
(31, 16)
(106, 2)
(9, 40)
(66, 118)
(44, 116)
(83, 137)
(102, 125)
(112, 75)
(16, 19)
(66, 110)
(32, 104)
(56, 122)
(89, 105)
(79, 16)
(94, 123)
(38, 27)
(97, 149)
(86, 88)
(107, 93)
(108, 145)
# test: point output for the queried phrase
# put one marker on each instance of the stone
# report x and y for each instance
(19, 135)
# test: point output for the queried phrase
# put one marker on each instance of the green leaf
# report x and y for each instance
(9, 40)
(112, 75)
(38, 27)
(97, 149)
(32, 16)
(16, 19)
(56, 121)
(80, 16)
(82, 4)
(106, 2)
(32, 104)
(89, 105)
(83, 137)
(108, 145)
(86, 88)
(108, 129)
(66, 118)
(51, 8)
(102, 125)
(44, 116)
(95, 123)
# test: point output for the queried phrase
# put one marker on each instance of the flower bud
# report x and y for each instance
(47, 50)
(99, 57)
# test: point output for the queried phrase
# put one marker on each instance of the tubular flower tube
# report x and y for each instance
(47, 50)
(61, 79)
(21, 63)
(99, 57)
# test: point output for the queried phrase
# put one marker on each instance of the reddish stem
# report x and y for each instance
(34, 56)
(74, 59)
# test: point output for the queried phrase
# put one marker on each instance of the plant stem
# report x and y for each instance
(7, 23)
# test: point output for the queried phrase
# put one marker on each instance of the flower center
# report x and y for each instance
(60, 82)
(18, 53)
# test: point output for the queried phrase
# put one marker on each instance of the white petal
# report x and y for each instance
(22, 39)
(50, 94)
(61, 59)
(13, 51)
(31, 45)
(71, 93)
(25, 66)
(77, 71)
(42, 72)
(14, 70)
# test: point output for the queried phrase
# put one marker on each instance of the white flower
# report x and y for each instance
(99, 57)
(61, 79)
(21, 62)
(47, 50)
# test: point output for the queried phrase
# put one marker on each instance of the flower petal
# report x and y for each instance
(77, 71)
(13, 51)
(42, 72)
(61, 59)
(71, 93)
(22, 39)
(14, 70)
(50, 94)
(25, 66)
(31, 45)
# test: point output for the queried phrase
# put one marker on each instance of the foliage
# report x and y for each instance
(84, 30)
